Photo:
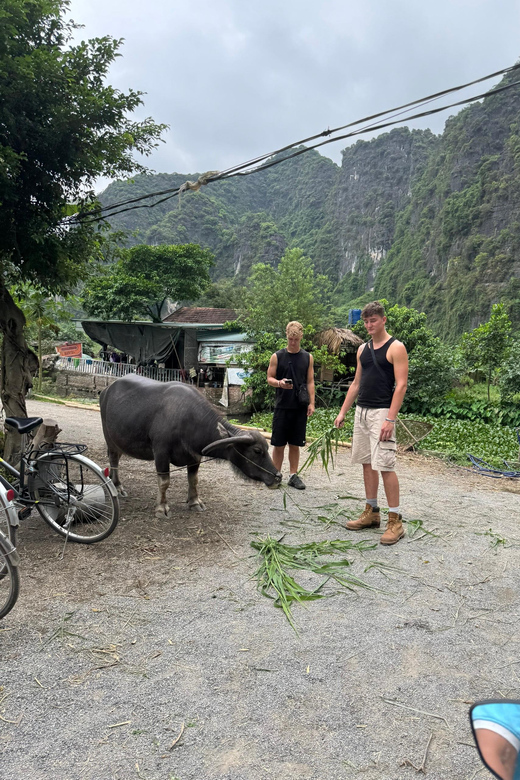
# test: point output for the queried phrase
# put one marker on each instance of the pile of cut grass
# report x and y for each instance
(277, 559)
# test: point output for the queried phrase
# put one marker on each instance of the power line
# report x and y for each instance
(245, 169)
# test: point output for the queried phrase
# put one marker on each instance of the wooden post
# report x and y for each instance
(46, 435)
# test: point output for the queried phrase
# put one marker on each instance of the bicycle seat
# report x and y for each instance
(23, 424)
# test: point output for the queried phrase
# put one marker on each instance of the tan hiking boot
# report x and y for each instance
(369, 518)
(394, 529)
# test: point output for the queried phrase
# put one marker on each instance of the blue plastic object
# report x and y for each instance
(354, 316)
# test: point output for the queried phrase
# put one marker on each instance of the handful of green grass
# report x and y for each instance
(324, 449)
(277, 559)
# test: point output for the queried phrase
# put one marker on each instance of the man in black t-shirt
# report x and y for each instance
(379, 387)
(289, 369)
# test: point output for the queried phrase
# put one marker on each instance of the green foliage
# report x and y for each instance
(450, 409)
(291, 292)
(41, 316)
(428, 222)
(456, 243)
(450, 436)
(257, 362)
(273, 298)
(509, 377)
(223, 294)
(143, 280)
(486, 347)
(62, 128)
(456, 438)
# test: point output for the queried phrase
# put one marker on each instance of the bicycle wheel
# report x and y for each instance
(9, 577)
(74, 497)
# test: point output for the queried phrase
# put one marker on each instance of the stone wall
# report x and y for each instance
(86, 385)
(90, 386)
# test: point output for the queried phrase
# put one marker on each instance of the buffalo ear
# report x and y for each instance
(224, 443)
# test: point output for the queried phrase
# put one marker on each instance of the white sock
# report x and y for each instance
(293, 475)
(372, 502)
(394, 509)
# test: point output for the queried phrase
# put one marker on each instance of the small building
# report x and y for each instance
(205, 344)
(190, 345)
(341, 342)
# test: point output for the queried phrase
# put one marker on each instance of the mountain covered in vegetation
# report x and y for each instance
(426, 221)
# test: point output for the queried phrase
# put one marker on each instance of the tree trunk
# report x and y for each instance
(19, 364)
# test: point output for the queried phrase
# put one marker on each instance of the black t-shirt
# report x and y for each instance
(291, 365)
(377, 382)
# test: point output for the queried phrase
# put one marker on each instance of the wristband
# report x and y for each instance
(389, 420)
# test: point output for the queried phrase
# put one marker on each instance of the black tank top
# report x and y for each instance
(377, 385)
(299, 362)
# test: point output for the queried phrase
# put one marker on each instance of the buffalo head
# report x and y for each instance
(249, 454)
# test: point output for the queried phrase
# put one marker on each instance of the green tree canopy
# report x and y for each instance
(61, 127)
(143, 280)
(485, 348)
(223, 294)
(290, 292)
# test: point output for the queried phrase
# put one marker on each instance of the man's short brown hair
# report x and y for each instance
(373, 309)
(294, 327)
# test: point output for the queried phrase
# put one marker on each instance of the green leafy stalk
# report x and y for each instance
(277, 559)
(413, 526)
(324, 449)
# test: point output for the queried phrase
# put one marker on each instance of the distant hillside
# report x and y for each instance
(245, 220)
(423, 220)
(457, 244)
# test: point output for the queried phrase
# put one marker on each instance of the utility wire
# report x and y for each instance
(491, 92)
(239, 170)
(225, 173)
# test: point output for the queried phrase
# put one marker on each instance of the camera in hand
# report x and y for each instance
(288, 381)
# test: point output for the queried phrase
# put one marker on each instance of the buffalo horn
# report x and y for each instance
(217, 445)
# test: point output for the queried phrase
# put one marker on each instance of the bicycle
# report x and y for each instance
(9, 558)
(72, 494)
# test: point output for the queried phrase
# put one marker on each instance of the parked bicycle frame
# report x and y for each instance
(9, 559)
(72, 494)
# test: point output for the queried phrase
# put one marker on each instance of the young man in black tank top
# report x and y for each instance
(379, 386)
(290, 368)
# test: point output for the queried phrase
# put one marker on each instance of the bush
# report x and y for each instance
(509, 377)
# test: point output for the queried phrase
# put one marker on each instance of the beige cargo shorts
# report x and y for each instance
(366, 446)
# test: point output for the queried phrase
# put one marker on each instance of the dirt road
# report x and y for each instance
(115, 649)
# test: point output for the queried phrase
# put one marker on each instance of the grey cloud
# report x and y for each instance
(235, 79)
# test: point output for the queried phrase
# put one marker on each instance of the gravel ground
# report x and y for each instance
(115, 649)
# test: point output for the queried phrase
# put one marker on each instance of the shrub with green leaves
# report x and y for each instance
(458, 438)
(509, 377)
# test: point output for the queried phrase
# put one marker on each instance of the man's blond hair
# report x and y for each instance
(294, 327)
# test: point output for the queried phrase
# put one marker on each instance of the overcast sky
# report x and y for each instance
(237, 78)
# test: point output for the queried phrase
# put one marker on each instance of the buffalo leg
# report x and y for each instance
(113, 457)
(194, 502)
(162, 467)
(163, 479)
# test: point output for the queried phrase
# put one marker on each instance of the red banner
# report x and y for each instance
(69, 350)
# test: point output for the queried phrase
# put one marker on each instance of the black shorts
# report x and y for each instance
(289, 427)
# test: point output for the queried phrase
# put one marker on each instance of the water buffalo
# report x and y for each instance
(170, 422)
